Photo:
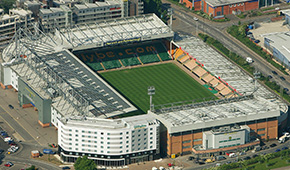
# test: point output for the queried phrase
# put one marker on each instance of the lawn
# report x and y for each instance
(171, 83)
(272, 164)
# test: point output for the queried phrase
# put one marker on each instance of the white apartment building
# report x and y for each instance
(55, 17)
(109, 142)
(8, 23)
(91, 12)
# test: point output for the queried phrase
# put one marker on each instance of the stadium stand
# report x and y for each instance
(124, 56)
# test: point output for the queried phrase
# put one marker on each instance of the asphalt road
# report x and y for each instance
(217, 31)
(249, 153)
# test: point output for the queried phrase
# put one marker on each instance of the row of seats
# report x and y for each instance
(202, 73)
(124, 56)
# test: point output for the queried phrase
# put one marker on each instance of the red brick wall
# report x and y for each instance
(175, 143)
(188, 3)
(228, 9)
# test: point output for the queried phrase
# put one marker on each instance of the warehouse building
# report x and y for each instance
(279, 44)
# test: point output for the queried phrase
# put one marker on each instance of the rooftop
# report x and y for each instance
(147, 26)
(20, 12)
(253, 105)
(128, 123)
(216, 3)
(281, 41)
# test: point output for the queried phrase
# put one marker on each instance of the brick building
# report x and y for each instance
(219, 8)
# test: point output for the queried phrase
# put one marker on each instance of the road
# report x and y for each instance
(249, 153)
(218, 31)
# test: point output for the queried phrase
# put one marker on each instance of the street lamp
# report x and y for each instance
(170, 12)
(151, 92)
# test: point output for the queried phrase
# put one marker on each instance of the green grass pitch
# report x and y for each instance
(171, 83)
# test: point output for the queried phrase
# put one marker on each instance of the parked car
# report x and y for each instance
(247, 158)
(1, 151)
(284, 148)
(66, 167)
(269, 76)
(48, 151)
(254, 156)
(277, 150)
(190, 158)
(201, 163)
(282, 78)
(265, 147)
(195, 18)
(242, 153)
(228, 162)
(8, 164)
(273, 145)
(286, 89)
(274, 72)
(257, 41)
(10, 106)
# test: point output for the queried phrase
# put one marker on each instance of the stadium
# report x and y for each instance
(91, 83)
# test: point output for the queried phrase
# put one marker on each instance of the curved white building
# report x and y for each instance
(110, 142)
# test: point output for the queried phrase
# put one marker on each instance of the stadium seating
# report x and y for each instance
(111, 64)
(95, 66)
(163, 54)
(130, 61)
(128, 55)
(149, 58)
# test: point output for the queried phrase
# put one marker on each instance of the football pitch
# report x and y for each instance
(171, 85)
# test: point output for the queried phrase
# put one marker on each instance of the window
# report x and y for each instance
(83, 131)
(258, 130)
(185, 147)
(70, 130)
(187, 141)
(77, 135)
(151, 137)
(151, 142)
(196, 140)
(127, 133)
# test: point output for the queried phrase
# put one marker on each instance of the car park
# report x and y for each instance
(274, 72)
(254, 156)
(201, 163)
(277, 150)
(10, 106)
(282, 78)
(190, 158)
(8, 164)
(273, 145)
(284, 148)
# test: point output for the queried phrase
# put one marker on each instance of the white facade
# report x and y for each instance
(226, 137)
(106, 138)
(92, 12)
(8, 23)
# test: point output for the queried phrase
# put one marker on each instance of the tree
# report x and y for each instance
(31, 168)
(6, 5)
(83, 163)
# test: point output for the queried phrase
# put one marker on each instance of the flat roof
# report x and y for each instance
(216, 3)
(217, 114)
(142, 27)
(280, 41)
(20, 12)
(123, 123)
(250, 106)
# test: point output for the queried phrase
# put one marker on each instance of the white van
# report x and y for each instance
(232, 155)
(249, 60)
(7, 139)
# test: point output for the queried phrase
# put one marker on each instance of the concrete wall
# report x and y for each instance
(27, 95)
(221, 140)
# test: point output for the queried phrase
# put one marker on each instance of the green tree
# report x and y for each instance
(83, 163)
(31, 168)
(6, 4)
